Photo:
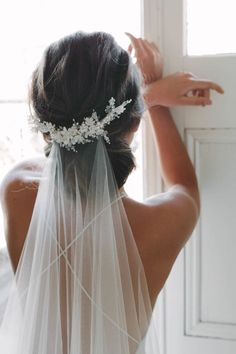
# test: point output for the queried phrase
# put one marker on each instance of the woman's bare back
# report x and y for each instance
(157, 225)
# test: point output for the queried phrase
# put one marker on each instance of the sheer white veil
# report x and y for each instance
(80, 286)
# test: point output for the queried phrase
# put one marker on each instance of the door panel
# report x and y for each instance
(199, 297)
(210, 254)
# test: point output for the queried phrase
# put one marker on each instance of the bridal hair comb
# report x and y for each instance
(89, 130)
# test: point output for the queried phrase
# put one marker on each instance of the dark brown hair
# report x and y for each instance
(79, 74)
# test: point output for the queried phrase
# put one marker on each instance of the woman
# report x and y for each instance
(90, 261)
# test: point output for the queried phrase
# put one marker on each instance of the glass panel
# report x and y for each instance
(35, 24)
(211, 27)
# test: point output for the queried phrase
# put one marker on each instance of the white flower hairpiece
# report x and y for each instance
(89, 130)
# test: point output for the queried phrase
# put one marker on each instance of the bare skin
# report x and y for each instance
(162, 224)
(158, 249)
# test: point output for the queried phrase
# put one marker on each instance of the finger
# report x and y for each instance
(203, 93)
(136, 43)
(200, 93)
(188, 75)
(192, 93)
(151, 48)
(154, 46)
(130, 49)
(206, 94)
(206, 85)
(147, 45)
(195, 101)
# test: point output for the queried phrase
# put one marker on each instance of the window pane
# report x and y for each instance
(211, 27)
(29, 27)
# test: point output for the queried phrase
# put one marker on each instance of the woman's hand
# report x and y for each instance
(173, 90)
(149, 59)
(180, 89)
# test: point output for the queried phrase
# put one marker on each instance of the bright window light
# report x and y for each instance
(26, 30)
(211, 27)
(33, 24)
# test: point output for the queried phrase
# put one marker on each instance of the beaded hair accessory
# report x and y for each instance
(89, 130)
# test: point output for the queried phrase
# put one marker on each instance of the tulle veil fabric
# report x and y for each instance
(80, 286)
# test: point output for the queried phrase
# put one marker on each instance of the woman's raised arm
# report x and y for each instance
(179, 207)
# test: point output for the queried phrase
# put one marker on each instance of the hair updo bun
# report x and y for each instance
(79, 74)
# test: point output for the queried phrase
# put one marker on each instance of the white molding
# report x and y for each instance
(151, 29)
(151, 165)
(151, 21)
(194, 325)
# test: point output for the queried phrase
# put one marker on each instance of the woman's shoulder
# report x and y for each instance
(168, 204)
(21, 180)
(25, 168)
(161, 225)
(167, 219)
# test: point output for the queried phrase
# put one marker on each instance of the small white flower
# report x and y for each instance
(89, 121)
(89, 130)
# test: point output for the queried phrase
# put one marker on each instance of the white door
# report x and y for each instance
(198, 303)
